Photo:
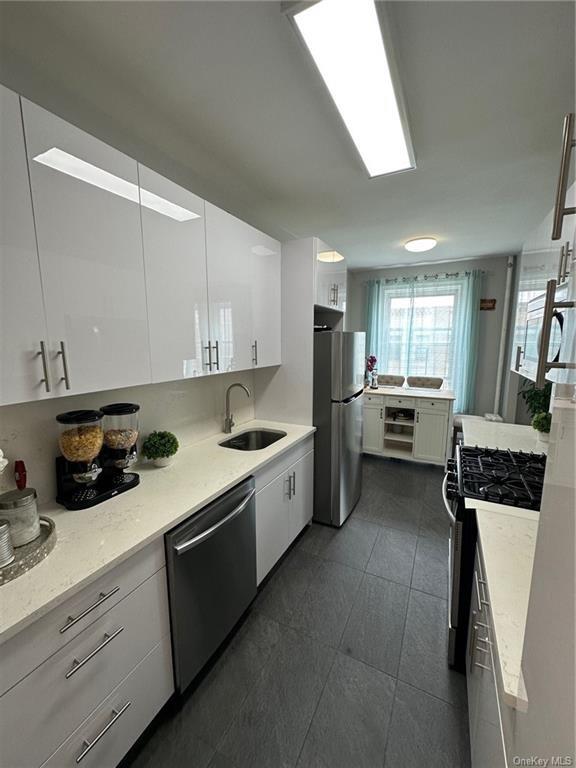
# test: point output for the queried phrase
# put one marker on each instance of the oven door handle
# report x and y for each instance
(180, 549)
(446, 502)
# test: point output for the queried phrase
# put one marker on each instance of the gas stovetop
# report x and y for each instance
(504, 477)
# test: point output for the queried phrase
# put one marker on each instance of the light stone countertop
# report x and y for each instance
(432, 394)
(92, 541)
(508, 542)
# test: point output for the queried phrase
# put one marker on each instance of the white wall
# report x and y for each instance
(490, 321)
(193, 409)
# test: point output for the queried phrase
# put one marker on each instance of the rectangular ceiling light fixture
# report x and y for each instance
(345, 40)
(73, 166)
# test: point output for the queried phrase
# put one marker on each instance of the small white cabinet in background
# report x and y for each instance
(330, 278)
(430, 436)
(22, 320)
(373, 433)
(176, 282)
(85, 199)
(284, 506)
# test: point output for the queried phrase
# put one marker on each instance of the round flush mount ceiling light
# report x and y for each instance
(330, 256)
(420, 244)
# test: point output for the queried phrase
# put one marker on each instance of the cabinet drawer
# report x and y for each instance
(33, 645)
(373, 401)
(436, 405)
(401, 402)
(62, 692)
(282, 463)
(122, 717)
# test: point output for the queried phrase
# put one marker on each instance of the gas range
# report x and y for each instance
(501, 476)
(490, 474)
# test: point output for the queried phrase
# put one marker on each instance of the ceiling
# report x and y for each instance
(222, 96)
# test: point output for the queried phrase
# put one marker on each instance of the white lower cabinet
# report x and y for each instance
(373, 434)
(104, 738)
(83, 686)
(283, 508)
(487, 747)
(430, 436)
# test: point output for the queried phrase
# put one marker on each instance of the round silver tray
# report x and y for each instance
(31, 554)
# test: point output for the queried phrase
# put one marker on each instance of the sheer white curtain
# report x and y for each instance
(427, 326)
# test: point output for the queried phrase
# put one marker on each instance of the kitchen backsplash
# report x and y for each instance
(193, 409)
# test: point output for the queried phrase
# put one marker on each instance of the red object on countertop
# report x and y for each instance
(20, 474)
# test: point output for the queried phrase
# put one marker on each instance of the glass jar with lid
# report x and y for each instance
(81, 439)
(120, 433)
(19, 508)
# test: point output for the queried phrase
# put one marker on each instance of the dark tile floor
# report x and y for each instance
(341, 662)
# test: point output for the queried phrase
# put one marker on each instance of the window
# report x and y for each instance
(419, 334)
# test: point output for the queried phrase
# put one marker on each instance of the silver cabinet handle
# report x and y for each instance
(550, 306)
(102, 597)
(216, 363)
(293, 476)
(255, 352)
(381, 410)
(561, 265)
(567, 259)
(116, 715)
(78, 664)
(519, 352)
(477, 582)
(208, 348)
(180, 549)
(62, 354)
(568, 145)
(42, 354)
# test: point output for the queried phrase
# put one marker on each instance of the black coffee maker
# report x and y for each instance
(97, 447)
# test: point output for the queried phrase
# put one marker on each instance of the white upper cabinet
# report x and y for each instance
(22, 321)
(330, 278)
(174, 235)
(266, 300)
(85, 199)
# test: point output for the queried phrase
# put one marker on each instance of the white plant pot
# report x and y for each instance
(164, 462)
(543, 439)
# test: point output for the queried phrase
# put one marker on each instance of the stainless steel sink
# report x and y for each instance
(253, 439)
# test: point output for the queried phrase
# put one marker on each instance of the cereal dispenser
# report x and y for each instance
(96, 446)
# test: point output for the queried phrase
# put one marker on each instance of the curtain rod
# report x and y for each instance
(436, 276)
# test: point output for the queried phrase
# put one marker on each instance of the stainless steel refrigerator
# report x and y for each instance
(339, 364)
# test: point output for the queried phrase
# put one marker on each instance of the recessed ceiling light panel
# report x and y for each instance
(420, 244)
(66, 163)
(345, 40)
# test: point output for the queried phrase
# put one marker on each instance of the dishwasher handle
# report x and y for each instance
(180, 549)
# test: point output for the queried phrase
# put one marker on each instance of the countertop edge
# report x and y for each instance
(13, 629)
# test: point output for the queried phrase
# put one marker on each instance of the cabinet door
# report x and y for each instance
(85, 200)
(430, 436)
(22, 321)
(302, 494)
(266, 299)
(174, 238)
(230, 269)
(272, 524)
(373, 435)
(331, 285)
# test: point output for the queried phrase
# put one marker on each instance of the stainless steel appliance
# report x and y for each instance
(500, 476)
(211, 562)
(339, 363)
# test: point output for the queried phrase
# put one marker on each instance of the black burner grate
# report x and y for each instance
(505, 477)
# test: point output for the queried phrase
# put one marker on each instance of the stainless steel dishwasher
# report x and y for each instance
(211, 561)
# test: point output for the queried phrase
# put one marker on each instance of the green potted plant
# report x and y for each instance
(541, 422)
(160, 447)
(537, 400)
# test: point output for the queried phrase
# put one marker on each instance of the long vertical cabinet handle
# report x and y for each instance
(289, 478)
(62, 354)
(567, 260)
(294, 483)
(46, 379)
(216, 363)
(561, 265)
(519, 353)
(255, 352)
(208, 348)
(568, 145)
